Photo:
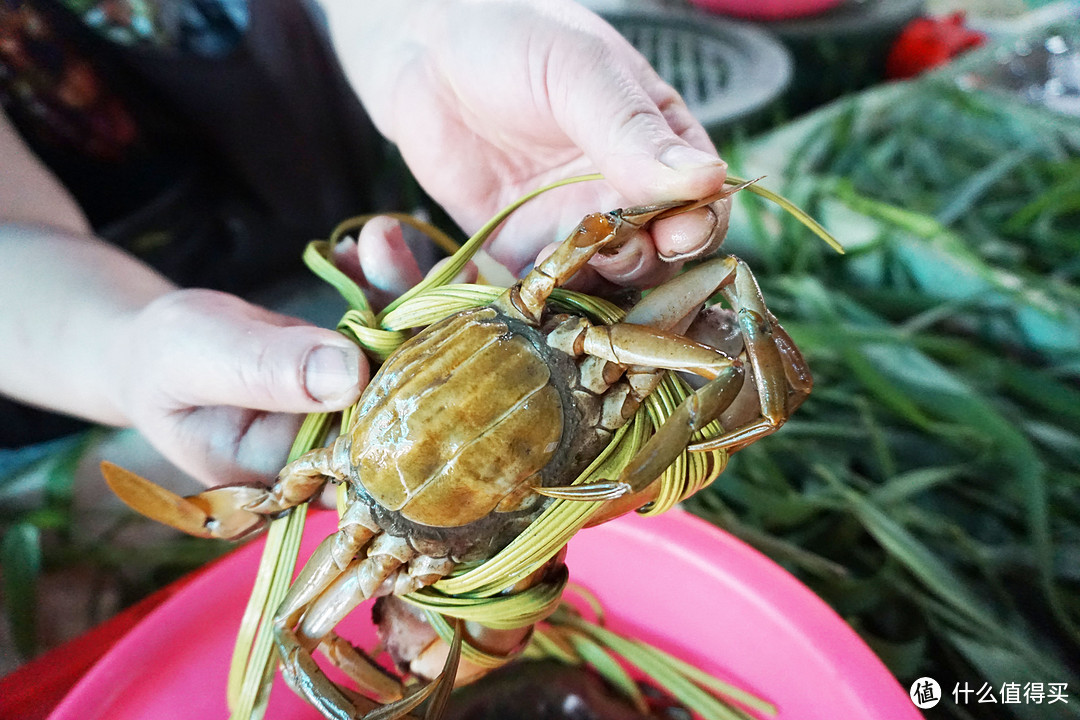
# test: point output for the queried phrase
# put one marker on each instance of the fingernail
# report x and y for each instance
(685, 240)
(684, 157)
(331, 371)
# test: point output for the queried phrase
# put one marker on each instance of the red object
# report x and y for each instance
(767, 9)
(32, 691)
(928, 42)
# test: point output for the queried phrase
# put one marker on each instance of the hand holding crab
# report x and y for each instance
(473, 426)
(211, 379)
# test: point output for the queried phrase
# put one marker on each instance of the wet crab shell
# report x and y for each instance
(461, 422)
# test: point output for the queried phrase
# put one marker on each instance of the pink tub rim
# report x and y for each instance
(714, 601)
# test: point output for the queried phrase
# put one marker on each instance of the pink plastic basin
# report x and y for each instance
(767, 9)
(709, 599)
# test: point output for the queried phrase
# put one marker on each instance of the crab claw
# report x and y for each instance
(217, 513)
(644, 214)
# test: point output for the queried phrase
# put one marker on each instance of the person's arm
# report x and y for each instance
(64, 292)
(29, 193)
(66, 297)
(90, 331)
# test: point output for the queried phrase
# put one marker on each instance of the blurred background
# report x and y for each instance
(929, 490)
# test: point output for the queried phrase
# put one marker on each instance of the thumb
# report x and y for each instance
(215, 349)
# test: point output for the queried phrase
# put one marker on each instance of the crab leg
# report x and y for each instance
(362, 579)
(674, 304)
(526, 298)
(330, 559)
(595, 232)
(232, 511)
(307, 679)
(330, 587)
(377, 683)
(781, 374)
(637, 345)
(781, 377)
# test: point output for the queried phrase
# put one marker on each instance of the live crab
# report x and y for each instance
(470, 429)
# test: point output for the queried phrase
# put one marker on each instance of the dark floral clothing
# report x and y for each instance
(46, 79)
(200, 134)
(211, 138)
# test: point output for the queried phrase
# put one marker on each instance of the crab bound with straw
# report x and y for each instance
(516, 417)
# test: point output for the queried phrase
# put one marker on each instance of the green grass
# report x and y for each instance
(928, 489)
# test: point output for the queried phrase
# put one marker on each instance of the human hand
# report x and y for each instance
(213, 382)
(490, 99)
(216, 383)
